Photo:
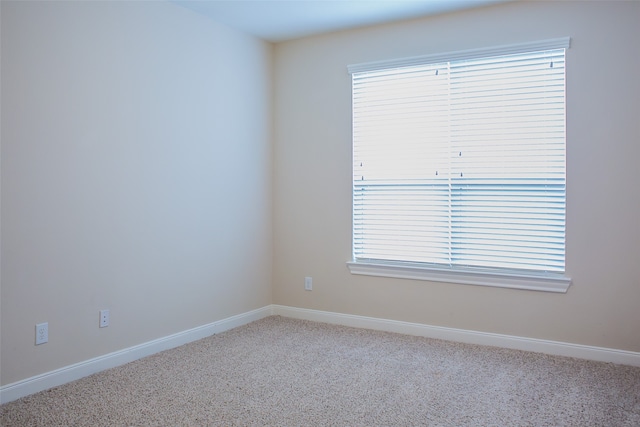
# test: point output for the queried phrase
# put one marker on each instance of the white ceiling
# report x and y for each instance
(279, 20)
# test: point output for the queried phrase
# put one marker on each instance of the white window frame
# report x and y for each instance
(514, 279)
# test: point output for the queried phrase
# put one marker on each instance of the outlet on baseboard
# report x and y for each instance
(104, 318)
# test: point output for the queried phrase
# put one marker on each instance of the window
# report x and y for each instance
(459, 167)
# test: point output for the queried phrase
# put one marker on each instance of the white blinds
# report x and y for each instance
(462, 163)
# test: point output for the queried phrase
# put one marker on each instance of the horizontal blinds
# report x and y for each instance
(462, 163)
(401, 185)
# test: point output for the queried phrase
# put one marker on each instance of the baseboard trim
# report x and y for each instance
(79, 370)
(600, 354)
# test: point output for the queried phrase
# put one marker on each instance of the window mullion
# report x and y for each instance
(449, 167)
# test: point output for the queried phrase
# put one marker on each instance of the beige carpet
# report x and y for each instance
(285, 372)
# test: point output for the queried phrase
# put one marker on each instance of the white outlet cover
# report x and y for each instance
(104, 318)
(42, 333)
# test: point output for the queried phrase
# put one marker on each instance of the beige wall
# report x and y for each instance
(124, 124)
(136, 176)
(312, 173)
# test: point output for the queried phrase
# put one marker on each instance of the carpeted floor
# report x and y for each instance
(285, 372)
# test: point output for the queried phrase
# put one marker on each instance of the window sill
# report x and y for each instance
(549, 282)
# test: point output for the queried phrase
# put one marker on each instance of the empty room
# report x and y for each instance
(318, 212)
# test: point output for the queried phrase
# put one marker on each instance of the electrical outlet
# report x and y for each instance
(308, 283)
(104, 318)
(42, 333)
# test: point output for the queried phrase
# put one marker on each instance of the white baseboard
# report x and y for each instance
(76, 371)
(600, 354)
(79, 370)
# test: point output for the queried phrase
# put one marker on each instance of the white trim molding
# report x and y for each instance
(579, 351)
(540, 45)
(79, 370)
(76, 371)
(500, 279)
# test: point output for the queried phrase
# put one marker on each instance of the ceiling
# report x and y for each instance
(280, 20)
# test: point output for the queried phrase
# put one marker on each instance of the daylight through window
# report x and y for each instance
(461, 163)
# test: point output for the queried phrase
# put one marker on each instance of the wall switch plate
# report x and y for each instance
(104, 318)
(42, 333)
(308, 283)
